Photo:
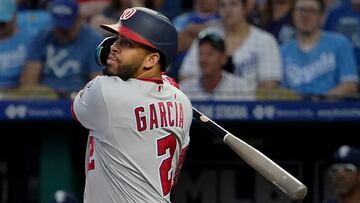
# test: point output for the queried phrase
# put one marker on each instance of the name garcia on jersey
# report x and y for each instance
(160, 114)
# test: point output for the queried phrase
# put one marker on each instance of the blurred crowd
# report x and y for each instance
(228, 49)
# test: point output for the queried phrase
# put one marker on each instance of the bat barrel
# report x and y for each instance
(283, 180)
(292, 187)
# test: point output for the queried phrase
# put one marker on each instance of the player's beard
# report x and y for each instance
(124, 71)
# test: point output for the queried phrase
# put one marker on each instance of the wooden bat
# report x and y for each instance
(292, 187)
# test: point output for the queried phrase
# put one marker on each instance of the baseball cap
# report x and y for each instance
(7, 10)
(215, 40)
(64, 12)
(347, 154)
(62, 196)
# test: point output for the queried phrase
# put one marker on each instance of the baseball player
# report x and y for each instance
(138, 121)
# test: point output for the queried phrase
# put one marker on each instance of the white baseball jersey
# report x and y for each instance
(257, 59)
(229, 88)
(138, 131)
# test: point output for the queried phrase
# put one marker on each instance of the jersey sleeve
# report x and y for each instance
(89, 107)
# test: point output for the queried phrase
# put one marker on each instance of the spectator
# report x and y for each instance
(333, 4)
(33, 19)
(214, 83)
(276, 18)
(189, 24)
(345, 175)
(170, 8)
(89, 8)
(110, 14)
(317, 62)
(345, 19)
(13, 43)
(253, 54)
(59, 56)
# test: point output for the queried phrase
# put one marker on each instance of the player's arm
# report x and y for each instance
(89, 106)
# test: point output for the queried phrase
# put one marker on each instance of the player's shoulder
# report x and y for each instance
(102, 80)
(180, 94)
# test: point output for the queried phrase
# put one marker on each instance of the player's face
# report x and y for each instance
(307, 16)
(125, 59)
(210, 59)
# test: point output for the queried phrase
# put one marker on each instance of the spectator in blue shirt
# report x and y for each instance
(318, 62)
(13, 43)
(345, 19)
(62, 56)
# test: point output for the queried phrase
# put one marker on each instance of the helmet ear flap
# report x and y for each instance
(103, 50)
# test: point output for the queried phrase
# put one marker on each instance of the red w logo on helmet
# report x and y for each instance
(127, 13)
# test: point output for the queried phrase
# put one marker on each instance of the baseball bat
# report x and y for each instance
(283, 180)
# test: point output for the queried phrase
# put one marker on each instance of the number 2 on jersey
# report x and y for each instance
(165, 144)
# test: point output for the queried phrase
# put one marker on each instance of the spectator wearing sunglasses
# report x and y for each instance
(345, 175)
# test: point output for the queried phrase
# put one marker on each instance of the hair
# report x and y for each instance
(215, 40)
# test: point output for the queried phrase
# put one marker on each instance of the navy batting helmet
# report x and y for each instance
(150, 28)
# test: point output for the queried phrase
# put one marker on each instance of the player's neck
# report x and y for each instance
(152, 73)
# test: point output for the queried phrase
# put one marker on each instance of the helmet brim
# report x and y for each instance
(126, 32)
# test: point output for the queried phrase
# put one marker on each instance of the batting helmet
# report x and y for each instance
(150, 28)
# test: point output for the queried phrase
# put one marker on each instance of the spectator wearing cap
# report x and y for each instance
(214, 83)
(13, 43)
(345, 175)
(59, 55)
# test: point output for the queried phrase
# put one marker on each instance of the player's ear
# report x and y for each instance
(151, 60)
